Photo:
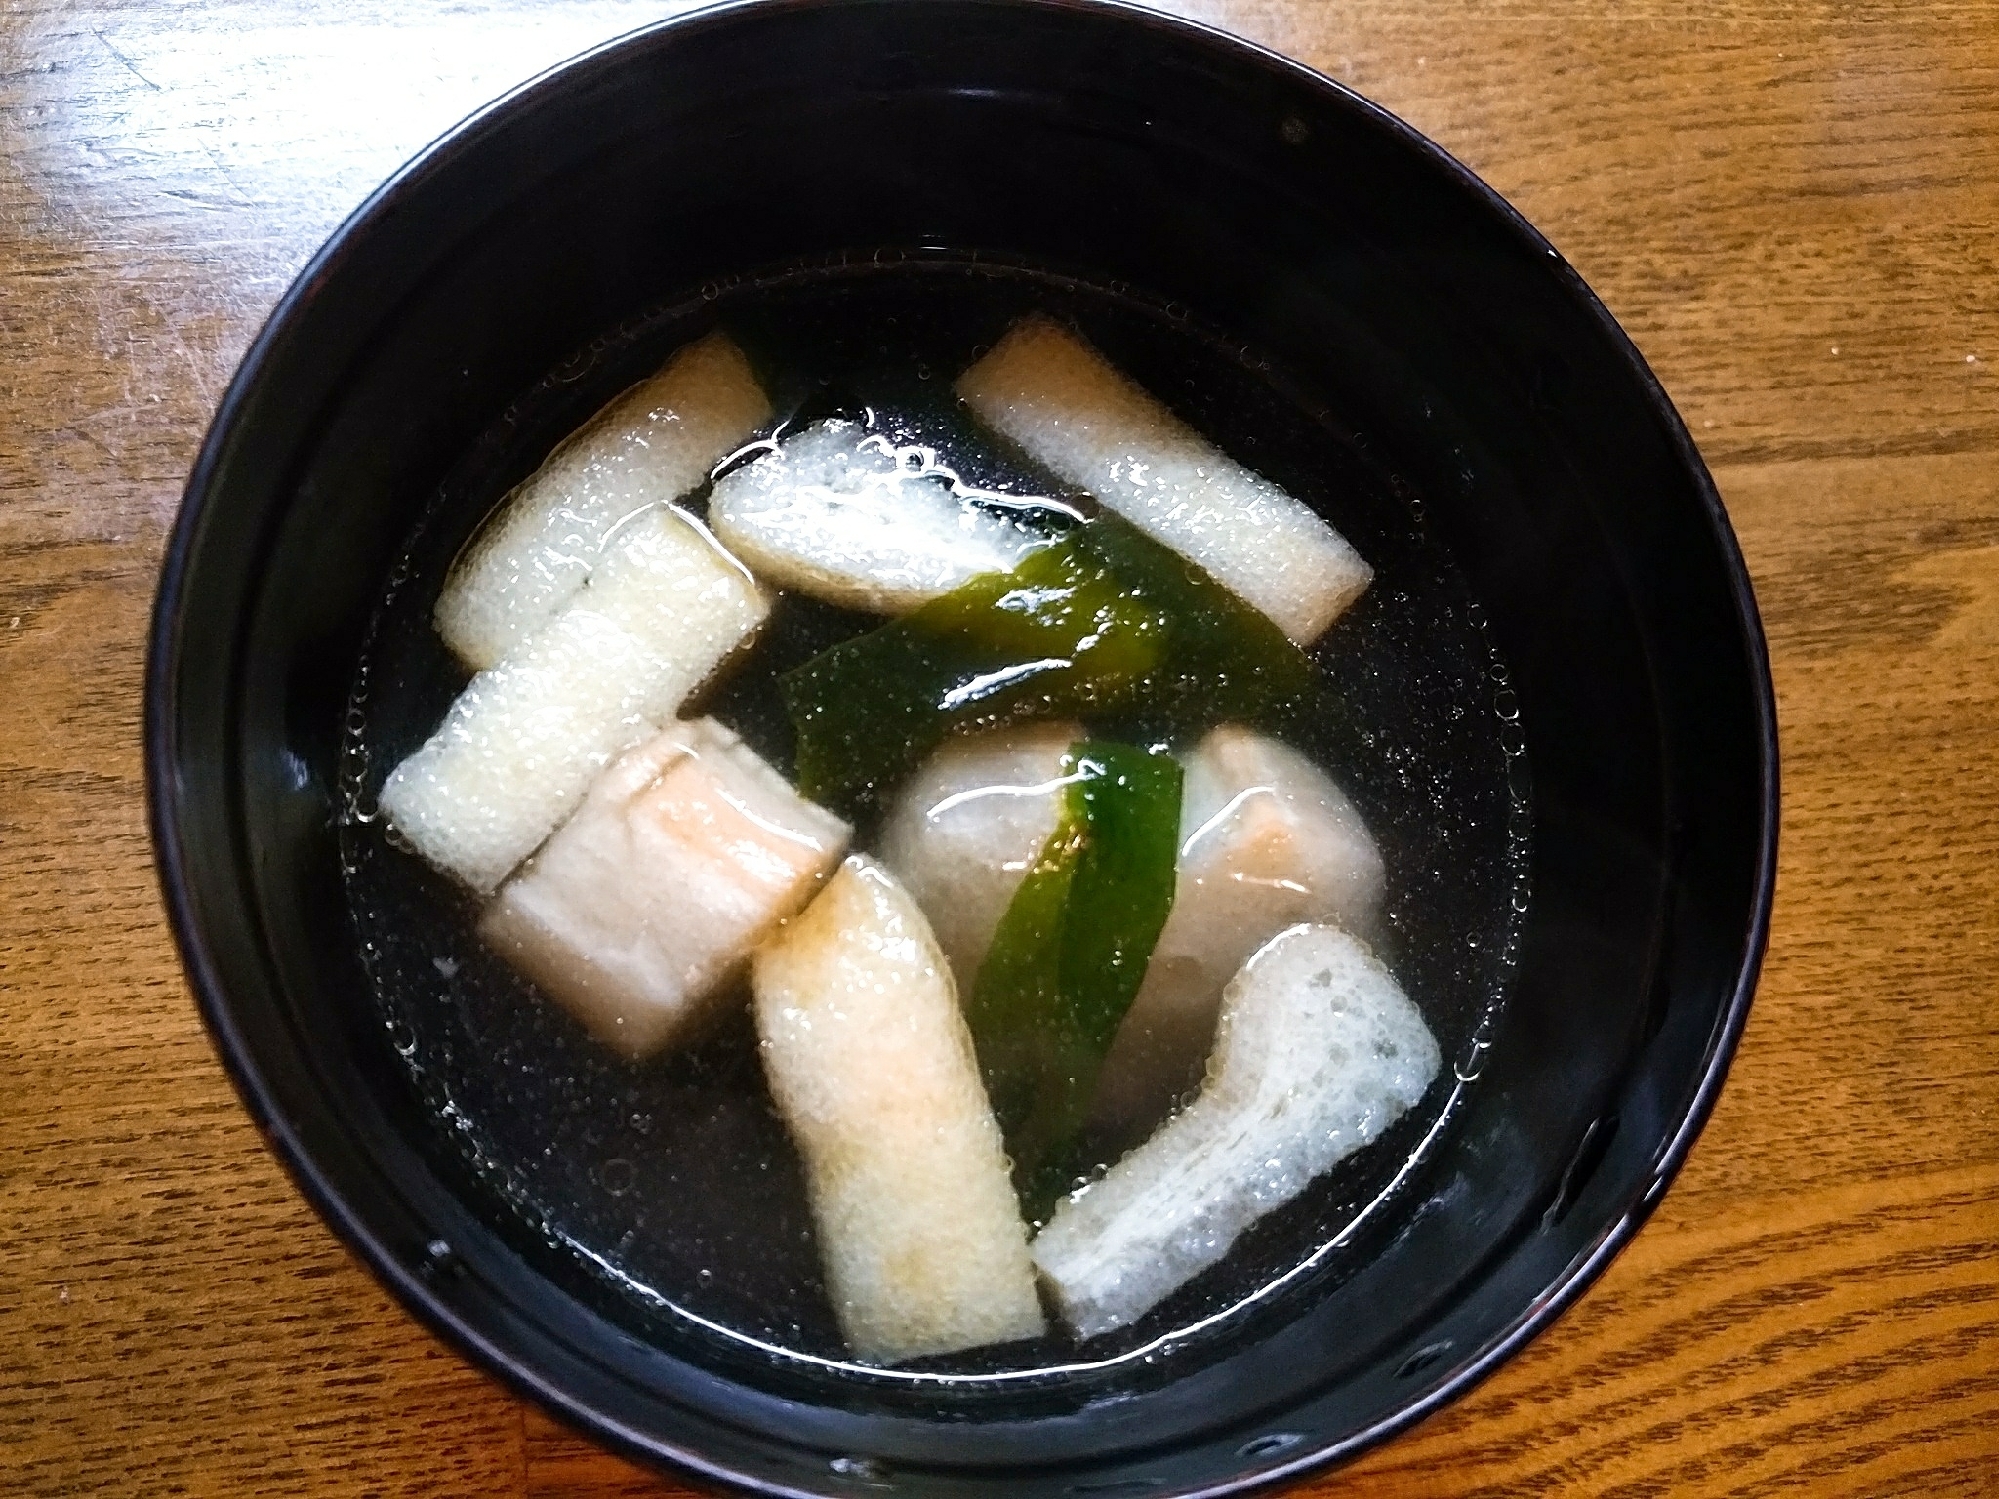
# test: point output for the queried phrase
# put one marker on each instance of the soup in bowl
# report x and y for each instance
(1032, 765)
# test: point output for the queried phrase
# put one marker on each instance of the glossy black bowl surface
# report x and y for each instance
(1253, 198)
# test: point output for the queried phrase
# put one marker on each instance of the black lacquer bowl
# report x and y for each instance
(1359, 271)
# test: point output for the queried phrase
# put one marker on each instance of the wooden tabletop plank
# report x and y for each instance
(1793, 209)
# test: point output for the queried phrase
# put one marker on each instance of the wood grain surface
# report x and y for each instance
(1794, 209)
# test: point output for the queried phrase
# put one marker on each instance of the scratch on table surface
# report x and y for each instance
(85, 435)
(197, 200)
(182, 348)
(222, 169)
(126, 62)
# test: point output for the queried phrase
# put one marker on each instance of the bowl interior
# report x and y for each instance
(542, 245)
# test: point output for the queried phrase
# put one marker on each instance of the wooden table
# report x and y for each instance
(1794, 209)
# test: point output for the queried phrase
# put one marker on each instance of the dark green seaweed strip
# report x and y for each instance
(1069, 955)
(1106, 623)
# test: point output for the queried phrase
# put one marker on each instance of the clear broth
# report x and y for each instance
(670, 1186)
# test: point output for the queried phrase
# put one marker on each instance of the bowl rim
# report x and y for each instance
(161, 704)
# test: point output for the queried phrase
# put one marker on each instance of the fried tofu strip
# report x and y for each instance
(1045, 389)
(650, 445)
(1318, 1051)
(526, 737)
(685, 854)
(872, 1068)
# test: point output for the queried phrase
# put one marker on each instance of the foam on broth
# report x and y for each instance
(669, 1188)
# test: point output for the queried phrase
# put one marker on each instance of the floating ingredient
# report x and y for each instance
(1267, 840)
(842, 513)
(685, 854)
(1317, 1052)
(872, 1069)
(523, 741)
(1070, 410)
(1070, 953)
(962, 833)
(1104, 623)
(652, 444)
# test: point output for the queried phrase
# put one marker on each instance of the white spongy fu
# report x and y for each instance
(1048, 391)
(1267, 840)
(652, 444)
(844, 515)
(1318, 1051)
(685, 854)
(967, 827)
(872, 1068)
(525, 738)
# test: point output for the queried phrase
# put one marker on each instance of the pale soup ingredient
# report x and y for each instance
(843, 514)
(525, 738)
(652, 444)
(1267, 840)
(872, 1068)
(685, 854)
(1317, 1052)
(969, 824)
(1046, 390)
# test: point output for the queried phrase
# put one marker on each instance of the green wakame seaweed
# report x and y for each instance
(1070, 953)
(1105, 623)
